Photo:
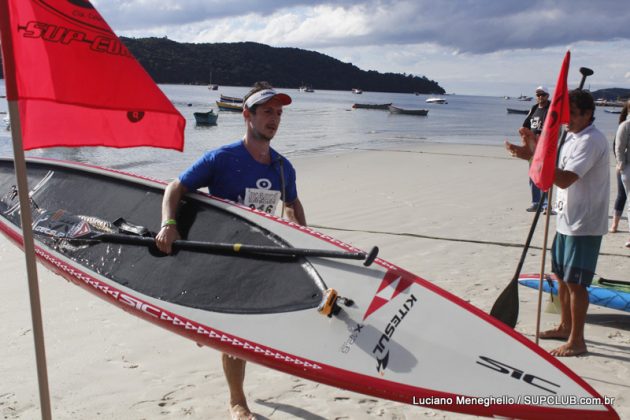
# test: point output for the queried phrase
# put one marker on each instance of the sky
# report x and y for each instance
(475, 47)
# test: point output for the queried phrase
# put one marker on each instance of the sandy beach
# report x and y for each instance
(453, 214)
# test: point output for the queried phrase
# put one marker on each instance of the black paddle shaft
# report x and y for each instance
(243, 249)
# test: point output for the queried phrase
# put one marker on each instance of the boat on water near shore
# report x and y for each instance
(436, 101)
(371, 106)
(305, 88)
(231, 99)
(206, 118)
(517, 111)
(524, 98)
(606, 102)
(613, 111)
(357, 91)
(230, 106)
(396, 110)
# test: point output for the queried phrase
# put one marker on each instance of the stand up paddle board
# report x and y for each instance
(601, 293)
(387, 333)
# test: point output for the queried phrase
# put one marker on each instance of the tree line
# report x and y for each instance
(244, 63)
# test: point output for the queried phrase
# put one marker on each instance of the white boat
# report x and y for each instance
(357, 91)
(436, 101)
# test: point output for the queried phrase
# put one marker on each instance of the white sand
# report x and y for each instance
(448, 213)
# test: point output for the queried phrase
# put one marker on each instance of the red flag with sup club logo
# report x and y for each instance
(543, 167)
(76, 84)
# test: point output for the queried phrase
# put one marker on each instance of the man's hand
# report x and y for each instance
(521, 152)
(165, 238)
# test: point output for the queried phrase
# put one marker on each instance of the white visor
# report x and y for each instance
(265, 95)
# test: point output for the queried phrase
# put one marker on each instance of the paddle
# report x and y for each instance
(506, 307)
(63, 225)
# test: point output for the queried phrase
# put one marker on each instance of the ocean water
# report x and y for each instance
(322, 122)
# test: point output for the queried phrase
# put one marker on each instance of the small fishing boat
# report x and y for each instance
(371, 106)
(206, 118)
(396, 110)
(357, 91)
(230, 106)
(305, 88)
(524, 98)
(436, 101)
(213, 87)
(231, 99)
(613, 111)
(517, 111)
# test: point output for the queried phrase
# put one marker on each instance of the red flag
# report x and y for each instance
(542, 169)
(76, 84)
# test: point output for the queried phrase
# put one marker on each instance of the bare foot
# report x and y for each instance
(239, 412)
(568, 350)
(554, 334)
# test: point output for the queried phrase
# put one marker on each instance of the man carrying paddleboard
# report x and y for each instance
(247, 171)
(583, 180)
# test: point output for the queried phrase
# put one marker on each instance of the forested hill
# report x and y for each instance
(243, 63)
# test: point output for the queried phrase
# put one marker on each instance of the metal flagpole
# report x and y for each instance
(31, 266)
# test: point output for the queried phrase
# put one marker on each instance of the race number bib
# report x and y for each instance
(262, 198)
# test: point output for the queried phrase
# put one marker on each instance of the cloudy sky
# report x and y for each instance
(491, 47)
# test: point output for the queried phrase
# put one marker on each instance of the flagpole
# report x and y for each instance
(29, 253)
(542, 260)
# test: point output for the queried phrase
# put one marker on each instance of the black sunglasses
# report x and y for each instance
(542, 94)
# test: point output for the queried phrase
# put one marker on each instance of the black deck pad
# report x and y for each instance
(221, 283)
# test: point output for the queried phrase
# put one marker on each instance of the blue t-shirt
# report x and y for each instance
(230, 169)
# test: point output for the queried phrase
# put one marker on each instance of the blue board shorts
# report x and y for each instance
(574, 258)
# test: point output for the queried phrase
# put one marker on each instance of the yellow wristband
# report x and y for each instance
(169, 222)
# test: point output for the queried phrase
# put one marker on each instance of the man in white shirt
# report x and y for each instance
(583, 181)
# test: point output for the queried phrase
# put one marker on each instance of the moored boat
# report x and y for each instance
(436, 101)
(517, 111)
(407, 111)
(206, 118)
(357, 91)
(231, 99)
(371, 106)
(230, 106)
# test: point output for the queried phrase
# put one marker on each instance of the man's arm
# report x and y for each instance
(169, 233)
(295, 212)
(564, 179)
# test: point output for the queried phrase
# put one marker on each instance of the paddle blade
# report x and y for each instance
(505, 309)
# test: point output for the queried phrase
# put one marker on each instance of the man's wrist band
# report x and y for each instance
(169, 222)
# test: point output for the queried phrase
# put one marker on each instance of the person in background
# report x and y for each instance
(583, 181)
(247, 171)
(622, 155)
(529, 132)
(620, 201)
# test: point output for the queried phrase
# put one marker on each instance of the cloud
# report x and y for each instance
(463, 26)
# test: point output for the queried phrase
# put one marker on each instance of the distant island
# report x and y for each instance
(244, 63)
(612, 94)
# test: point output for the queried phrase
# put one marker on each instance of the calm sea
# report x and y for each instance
(318, 123)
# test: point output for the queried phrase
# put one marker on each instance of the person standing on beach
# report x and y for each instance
(247, 171)
(622, 155)
(530, 131)
(583, 181)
